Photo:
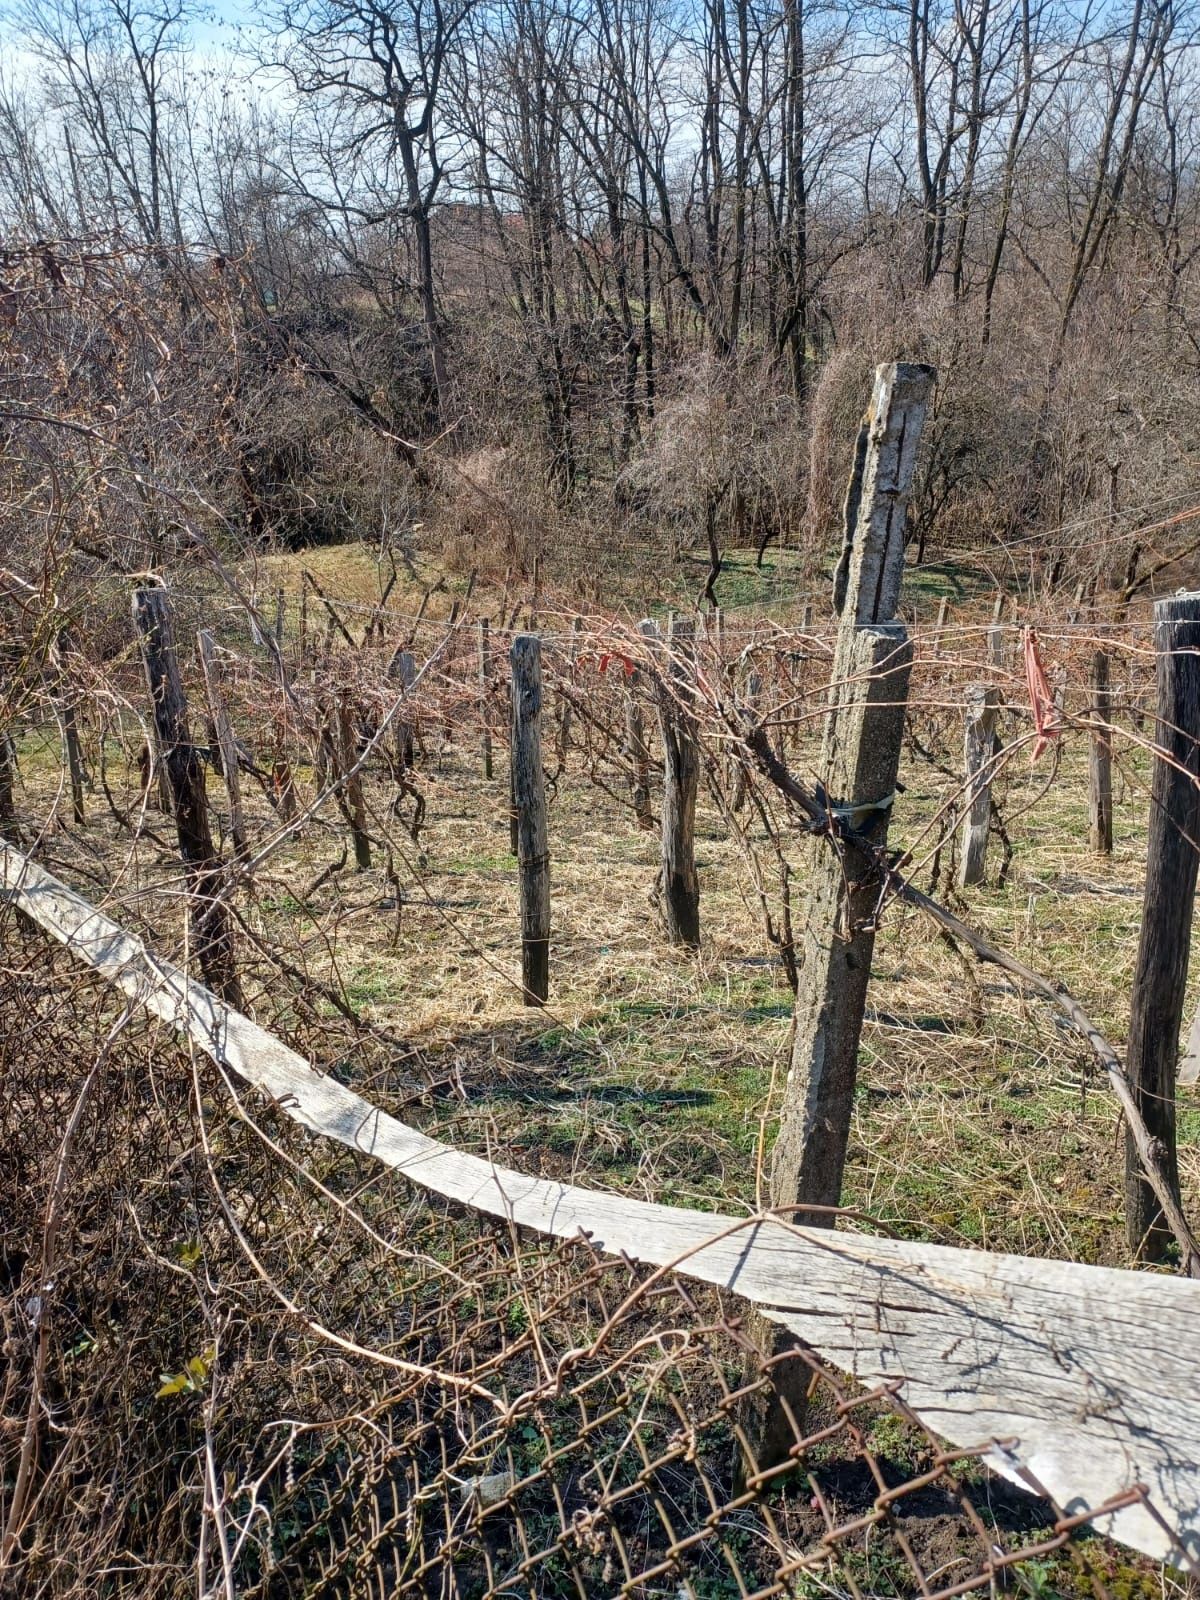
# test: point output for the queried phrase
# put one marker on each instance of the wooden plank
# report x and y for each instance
(1160, 972)
(1084, 1379)
(529, 805)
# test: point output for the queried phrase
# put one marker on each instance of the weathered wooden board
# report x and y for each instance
(1089, 1373)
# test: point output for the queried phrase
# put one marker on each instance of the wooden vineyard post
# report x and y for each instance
(804, 656)
(639, 755)
(1160, 972)
(70, 737)
(1100, 806)
(982, 705)
(529, 806)
(74, 761)
(995, 633)
(226, 743)
(283, 785)
(681, 778)
(154, 771)
(939, 625)
(8, 766)
(403, 666)
(536, 602)
(485, 671)
(864, 726)
(208, 918)
(350, 790)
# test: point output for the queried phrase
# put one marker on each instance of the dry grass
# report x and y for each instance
(652, 1069)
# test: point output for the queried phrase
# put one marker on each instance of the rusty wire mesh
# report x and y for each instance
(241, 1360)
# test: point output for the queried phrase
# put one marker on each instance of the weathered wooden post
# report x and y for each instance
(995, 646)
(70, 726)
(1100, 805)
(1160, 972)
(681, 779)
(8, 767)
(283, 785)
(639, 754)
(529, 805)
(208, 918)
(350, 790)
(485, 672)
(864, 727)
(226, 743)
(982, 706)
(403, 667)
(74, 761)
(939, 625)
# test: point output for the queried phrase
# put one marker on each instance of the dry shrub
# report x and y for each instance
(486, 518)
(725, 444)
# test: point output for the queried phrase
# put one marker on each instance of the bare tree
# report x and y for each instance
(113, 78)
(377, 67)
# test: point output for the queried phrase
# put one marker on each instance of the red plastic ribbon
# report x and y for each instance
(610, 655)
(1046, 725)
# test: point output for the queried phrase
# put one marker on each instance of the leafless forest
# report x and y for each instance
(599, 800)
(579, 278)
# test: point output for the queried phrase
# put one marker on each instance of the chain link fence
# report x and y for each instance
(257, 1365)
